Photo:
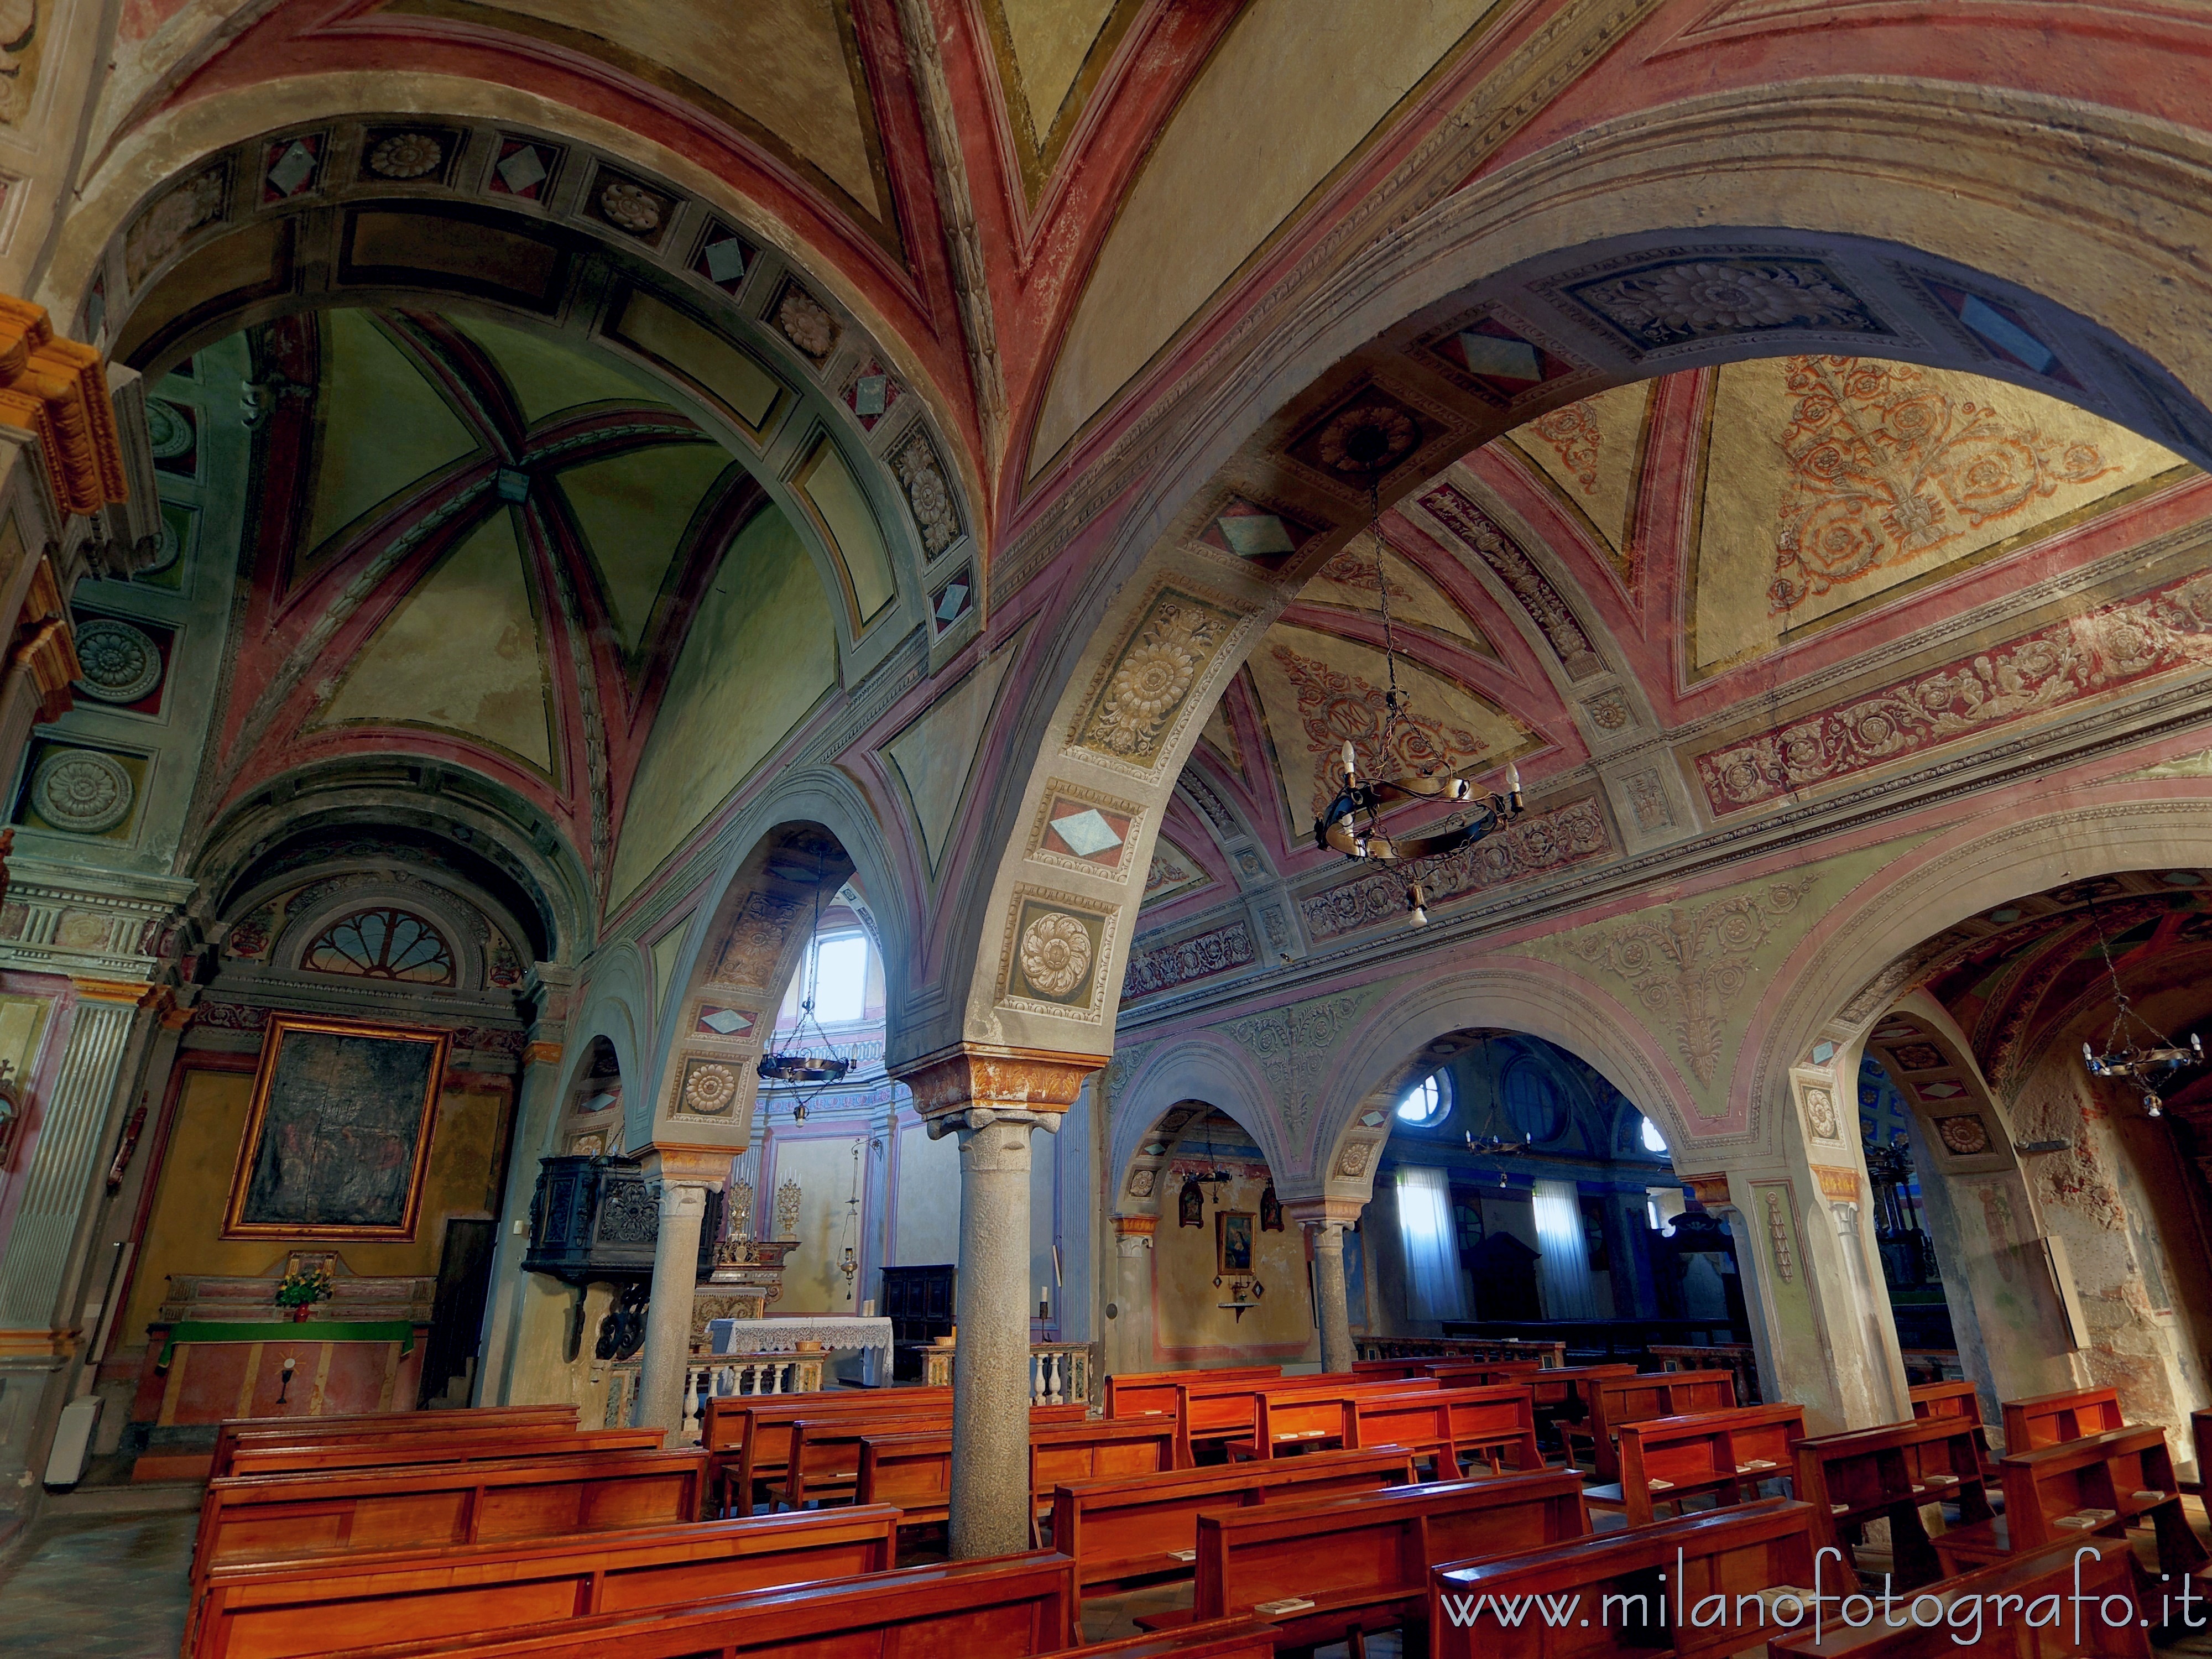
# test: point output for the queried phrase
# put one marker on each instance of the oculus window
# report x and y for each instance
(1426, 1103)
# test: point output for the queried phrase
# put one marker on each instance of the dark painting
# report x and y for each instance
(337, 1140)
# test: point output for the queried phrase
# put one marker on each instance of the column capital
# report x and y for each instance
(1710, 1190)
(116, 990)
(542, 1054)
(979, 1084)
(1323, 1214)
(675, 1165)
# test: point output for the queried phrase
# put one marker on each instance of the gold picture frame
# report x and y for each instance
(337, 1137)
(1236, 1237)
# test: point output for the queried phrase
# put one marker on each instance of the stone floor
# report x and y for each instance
(97, 1586)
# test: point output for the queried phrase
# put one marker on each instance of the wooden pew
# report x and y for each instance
(1303, 1409)
(1732, 1553)
(333, 1604)
(2045, 1419)
(1450, 1373)
(1319, 1570)
(1956, 1399)
(290, 1431)
(273, 1517)
(385, 1450)
(2200, 1438)
(2000, 1627)
(1132, 1392)
(1615, 1400)
(747, 1438)
(1664, 1459)
(1011, 1605)
(824, 1463)
(1128, 1528)
(1889, 1472)
(1493, 1426)
(1561, 1395)
(914, 1471)
(2101, 1484)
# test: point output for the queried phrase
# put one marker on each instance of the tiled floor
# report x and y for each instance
(97, 1587)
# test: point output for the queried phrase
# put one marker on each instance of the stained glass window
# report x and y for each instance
(384, 943)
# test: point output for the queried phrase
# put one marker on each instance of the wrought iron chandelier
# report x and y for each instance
(1493, 1144)
(1353, 823)
(2147, 1068)
(799, 1066)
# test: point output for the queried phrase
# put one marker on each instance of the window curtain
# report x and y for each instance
(1424, 1226)
(1563, 1270)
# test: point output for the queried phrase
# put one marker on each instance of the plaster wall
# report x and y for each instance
(1188, 1325)
(823, 1168)
(927, 1232)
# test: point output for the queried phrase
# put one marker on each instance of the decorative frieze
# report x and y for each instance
(1538, 842)
(1219, 950)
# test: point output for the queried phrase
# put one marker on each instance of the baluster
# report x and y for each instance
(1055, 1364)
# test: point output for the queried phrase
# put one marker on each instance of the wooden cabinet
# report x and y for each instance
(919, 1303)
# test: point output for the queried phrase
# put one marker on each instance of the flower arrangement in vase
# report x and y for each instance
(300, 1289)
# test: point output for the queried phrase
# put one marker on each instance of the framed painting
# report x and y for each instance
(1232, 1239)
(337, 1137)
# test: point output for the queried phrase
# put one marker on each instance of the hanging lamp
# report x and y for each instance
(1493, 1143)
(2146, 1067)
(1352, 823)
(797, 1065)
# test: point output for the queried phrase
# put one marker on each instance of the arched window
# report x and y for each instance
(383, 943)
(834, 973)
(1426, 1103)
(1653, 1142)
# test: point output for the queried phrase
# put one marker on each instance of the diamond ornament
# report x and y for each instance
(1087, 832)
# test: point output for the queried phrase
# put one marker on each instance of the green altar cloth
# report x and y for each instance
(312, 1330)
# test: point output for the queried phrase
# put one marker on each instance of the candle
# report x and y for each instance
(1512, 779)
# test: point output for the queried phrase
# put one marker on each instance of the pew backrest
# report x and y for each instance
(387, 1450)
(1615, 1401)
(1716, 1452)
(1130, 1528)
(236, 1432)
(1495, 1423)
(1564, 1390)
(913, 1472)
(1155, 1391)
(1954, 1399)
(825, 1452)
(332, 1605)
(272, 1517)
(1014, 1606)
(2045, 1419)
(1377, 1547)
(1889, 1472)
(1613, 1581)
(2121, 1475)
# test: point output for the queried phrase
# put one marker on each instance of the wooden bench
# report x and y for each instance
(1561, 1395)
(385, 1450)
(2045, 1419)
(824, 1460)
(1890, 1473)
(747, 1438)
(1956, 1399)
(1615, 1400)
(1320, 1571)
(2100, 1483)
(1129, 1528)
(1298, 1409)
(2000, 1627)
(331, 1605)
(2200, 1440)
(1493, 1426)
(1609, 1581)
(1132, 1392)
(235, 1431)
(274, 1517)
(914, 1471)
(1450, 1373)
(1664, 1459)
(1014, 1606)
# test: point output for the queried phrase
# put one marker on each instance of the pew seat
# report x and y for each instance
(2100, 1484)
(1665, 1460)
(1129, 1528)
(329, 1605)
(1890, 1473)
(1321, 1570)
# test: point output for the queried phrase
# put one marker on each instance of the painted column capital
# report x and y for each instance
(678, 1165)
(1324, 1218)
(1133, 1234)
(970, 1085)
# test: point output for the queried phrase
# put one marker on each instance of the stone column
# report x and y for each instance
(1325, 1220)
(1128, 1331)
(504, 1375)
(684, 1174)
(994, 1099)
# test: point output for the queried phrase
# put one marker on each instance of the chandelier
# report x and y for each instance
(799, 1066)
(2146, 1068)
(1353, 823)
(1493, 1143)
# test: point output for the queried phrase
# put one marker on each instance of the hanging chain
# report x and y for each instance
(1389, 640)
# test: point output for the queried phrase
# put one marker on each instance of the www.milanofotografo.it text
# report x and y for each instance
(1791, 1610)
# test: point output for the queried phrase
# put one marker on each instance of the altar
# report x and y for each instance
(784, 1333)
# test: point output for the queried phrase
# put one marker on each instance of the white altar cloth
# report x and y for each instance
(833, 1330)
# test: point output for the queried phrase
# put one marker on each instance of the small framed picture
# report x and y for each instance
(1232, 1238)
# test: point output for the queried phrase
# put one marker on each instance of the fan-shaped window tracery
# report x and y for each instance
(384, 942)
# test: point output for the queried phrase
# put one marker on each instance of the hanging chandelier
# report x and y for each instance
(1353, 823)
(2146, 1067)
(1493, 1143)
(799, 1066)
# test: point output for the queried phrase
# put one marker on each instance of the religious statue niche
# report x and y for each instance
(337, 1137)
(1190, 1204)
(1271, 1211)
